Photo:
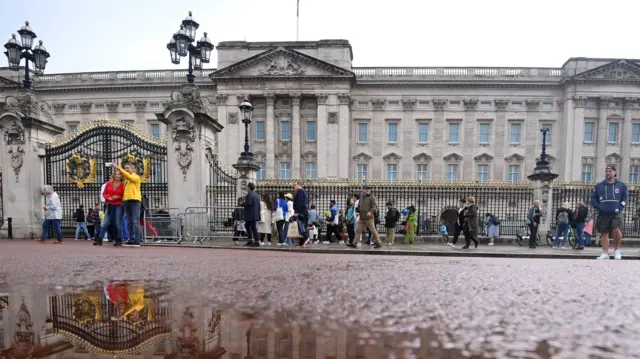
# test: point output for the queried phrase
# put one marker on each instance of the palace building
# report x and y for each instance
(317, 116)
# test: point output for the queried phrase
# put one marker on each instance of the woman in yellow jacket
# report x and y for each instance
(132, 202)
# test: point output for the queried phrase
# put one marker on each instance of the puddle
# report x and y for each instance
(120, 319)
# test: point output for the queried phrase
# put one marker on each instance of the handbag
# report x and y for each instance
(293, 230)
(277, 215)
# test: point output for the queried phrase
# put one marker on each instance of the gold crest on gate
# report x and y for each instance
(81, 170)
(142, 165)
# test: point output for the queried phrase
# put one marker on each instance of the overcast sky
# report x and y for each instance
(92, 35)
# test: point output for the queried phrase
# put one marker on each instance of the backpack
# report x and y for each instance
(563, 218)
(495, 220)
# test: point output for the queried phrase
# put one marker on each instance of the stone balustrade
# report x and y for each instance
(120, 77)
(457, 72)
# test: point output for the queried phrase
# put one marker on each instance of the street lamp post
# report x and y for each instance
(543, 154)
(246, 109)
(181, 45)
(18, 50)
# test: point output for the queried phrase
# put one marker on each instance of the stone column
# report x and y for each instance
(377, 140)
(573, 150)
(344, 126)
(469, 135)
(502, 131)
(601, 140)
(187, 123)
(223, 141)
(25, 128)
(322, 134)
(296, 135)
(408, 140)
(626, 139)
(271, 135)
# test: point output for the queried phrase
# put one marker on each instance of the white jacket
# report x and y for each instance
(54, 208)
(264, 226)
(356, 214)
(290, 211)
(102, 200)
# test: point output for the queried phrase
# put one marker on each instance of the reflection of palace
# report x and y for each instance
(93, 324)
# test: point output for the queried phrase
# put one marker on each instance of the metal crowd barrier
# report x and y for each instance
(162, 225)
(202, 223)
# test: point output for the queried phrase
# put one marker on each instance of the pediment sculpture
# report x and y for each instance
(183, 136)
(280, 66)
(15, 140)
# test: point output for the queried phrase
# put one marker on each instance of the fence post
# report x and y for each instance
(10, 228)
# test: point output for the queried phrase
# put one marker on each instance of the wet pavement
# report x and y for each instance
(303, 305)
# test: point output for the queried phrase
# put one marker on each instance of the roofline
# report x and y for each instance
(266, 45)
(598, 59)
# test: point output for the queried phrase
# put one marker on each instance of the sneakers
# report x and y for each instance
(604, 256)
(306, 243)
(268, 243)
(451, 245)
(377, 246)
(325, 242)
(57, 242)
(316, 241)
(132, 244)
(341, 242)
(618, 255)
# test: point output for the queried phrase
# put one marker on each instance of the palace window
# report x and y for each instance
(454, 133)
(452, 172)
(73, 107)
(362, 171)
(483, 173)
(285, 170)
(547, 105)
(591, 103)
(392, 172)
(156, 173)
(363, 132)
(587, 173)
(311, 171)
(392, 132)
(262, 172)
(260, 131)
(73, 128)
(513, 174)
(634, 171)
(363, 104)
(423, 133)
(484, 133)
(548, 136)
(635, 133)
(514, 134)
(454, 104)
(99, 107)
(155, 105)
(285, 131)
(589, 128)
(516, 105)
(394, 104)
(485, 104)
(425, 104)
(312, 132)
(612, 133)
(126, 105)
(155, 131)
(422, 172)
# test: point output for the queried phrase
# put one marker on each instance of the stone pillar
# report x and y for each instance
(25, 128)
(377, 135)
(601, 140)
(271, 135)
(296, 135)
(542, 179)
(344, 126)
(573, 152)
(223, 142)
(188, 126)
(626, 139)
(322, 134)
(469, 135)
(407, 140)
(503, 131)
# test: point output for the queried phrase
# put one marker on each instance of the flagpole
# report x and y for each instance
(298, 21)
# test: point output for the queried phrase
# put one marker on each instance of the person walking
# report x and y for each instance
(301, 213)
(579, 221)
(132, 202)
(533, 221)
(278, 217)
(333, 223)
(52, 214)
(81, 222)
(472, 223)
(458, 226)
(564, 217)
(113, 195)
(314, 224)
(252, 215)
(365, 209)
(609, 198)
(265, 225)
(390, 222)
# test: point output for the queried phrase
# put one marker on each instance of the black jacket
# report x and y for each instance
(252, 207)
(79, 215)
(391, 218)
(581, 215)
(461, 214)
(472, 218)
(301, 203)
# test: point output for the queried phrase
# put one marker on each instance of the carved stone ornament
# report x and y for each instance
(470, 104)
(378, 104)
(59, 107)
(322, 98)
(221, 99)
(344, 98)
(189, 97)
(85, 107)
(532, 104)
(140, 105)
(232, 117)
(439, 104)
(501, 104)
(452, 158)
(408, 105)
(112, 106)
(28, 105)
(544, 208)
(604, 101)
(183, 136)
(15, 140)
(629, 102)
(188, 339)
(295, 99)
(280, 66)
(332, 117)
(24, 338)
(580, 101)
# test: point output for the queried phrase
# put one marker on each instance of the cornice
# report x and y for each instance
(452, 85)
(120, 87)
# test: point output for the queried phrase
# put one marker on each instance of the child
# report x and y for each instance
(588, 232)
(238, 223)
(443, 232)
(313, 223)
(412, 223)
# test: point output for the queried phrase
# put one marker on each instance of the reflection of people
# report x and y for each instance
(127, 296)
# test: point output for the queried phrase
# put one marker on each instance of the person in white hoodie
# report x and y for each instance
(52, 214)
(289, 214)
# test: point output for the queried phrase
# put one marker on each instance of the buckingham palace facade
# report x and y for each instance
(317, 116)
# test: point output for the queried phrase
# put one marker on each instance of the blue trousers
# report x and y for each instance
(563, 229)
(132, 212)
(580, 234)
(55, 223)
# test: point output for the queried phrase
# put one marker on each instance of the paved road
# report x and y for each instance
(533, 308)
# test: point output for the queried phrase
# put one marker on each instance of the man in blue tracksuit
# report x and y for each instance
(609, 198)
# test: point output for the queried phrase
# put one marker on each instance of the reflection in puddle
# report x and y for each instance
(132, 319)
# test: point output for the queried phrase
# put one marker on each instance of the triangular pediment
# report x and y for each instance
(613, 157)
(514, 158)
(619, 70)
(615, 116)
(484, 157)
(422, 157)
(392, 156)
(452, 157)
(362, 157)
(281, 62)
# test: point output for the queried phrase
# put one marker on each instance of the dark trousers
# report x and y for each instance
(533, 235)
(470, 235)
(333, 229)
(282, 236)
(268, 235)
(252, 230)
(456, 232)
(303, 224)
(351, 229)
(132, 212)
